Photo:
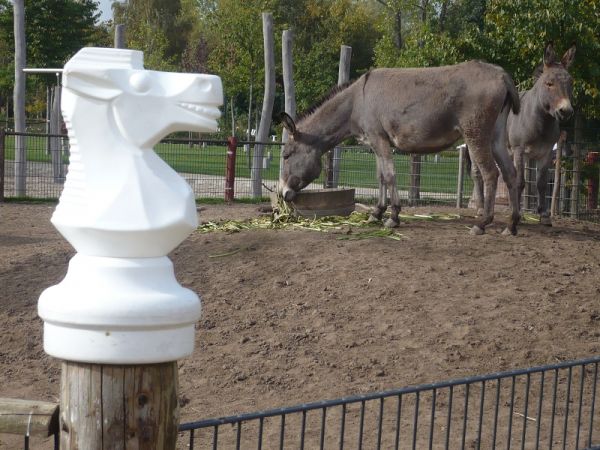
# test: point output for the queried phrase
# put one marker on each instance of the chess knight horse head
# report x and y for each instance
(118, 191)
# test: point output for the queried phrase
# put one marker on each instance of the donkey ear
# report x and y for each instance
(568, 57)
(549, 55)
(288, 122)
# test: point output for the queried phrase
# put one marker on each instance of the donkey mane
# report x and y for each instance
(335, 90)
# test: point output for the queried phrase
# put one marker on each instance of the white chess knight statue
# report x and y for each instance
(124, 209)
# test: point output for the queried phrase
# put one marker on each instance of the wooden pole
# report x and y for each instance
(2, 156)
(414, 192)
(19, 98)
(554, 208)
(461, 175)
(28, 417)
(267, 106)
(289, 90)
(230, 169)
(578, 142)
(105, 407)
(120, 36)
(332, 163)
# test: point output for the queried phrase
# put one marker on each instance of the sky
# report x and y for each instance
(106, 11)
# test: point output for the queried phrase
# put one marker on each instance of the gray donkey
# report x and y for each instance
(417, 110)
(533, 132)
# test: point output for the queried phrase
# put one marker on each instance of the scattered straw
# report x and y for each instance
(283, 217)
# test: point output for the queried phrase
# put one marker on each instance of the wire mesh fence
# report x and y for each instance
(546, 407)
(35, 166)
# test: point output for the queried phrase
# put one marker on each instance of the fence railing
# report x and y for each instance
(547, 407)
(431, 179)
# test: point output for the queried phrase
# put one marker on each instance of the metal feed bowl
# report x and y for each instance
(322, 202)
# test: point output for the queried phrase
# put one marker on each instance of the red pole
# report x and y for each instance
(230, 168)
(592, 199)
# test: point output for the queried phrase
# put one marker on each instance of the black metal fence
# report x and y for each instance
(548, 407)
(431, 179)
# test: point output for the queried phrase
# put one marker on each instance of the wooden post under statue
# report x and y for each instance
(136, 405)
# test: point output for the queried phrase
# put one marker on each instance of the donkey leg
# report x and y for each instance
(519, 162)
(483, 158)
(509, 174)
(542, 185)
(477, 197)
(388, 178)
(389, 174)
(381, 206)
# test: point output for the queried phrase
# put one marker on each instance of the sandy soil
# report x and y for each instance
(298, 316)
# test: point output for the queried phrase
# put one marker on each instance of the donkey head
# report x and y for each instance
(145, 105)
(554, 84)
(301, 160)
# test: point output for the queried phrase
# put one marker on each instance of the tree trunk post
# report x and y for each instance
(556, 188)
(106, 406)
(592, 186)
(120, 36)
(2, 158)
(461, 175)
(19, 99)
(333, 164)
(289, 89)
(577, 144)
(267, 107)
(414, 192)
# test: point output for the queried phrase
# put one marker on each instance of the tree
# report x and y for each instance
(55, 30)
(159, 28)
(516, 34)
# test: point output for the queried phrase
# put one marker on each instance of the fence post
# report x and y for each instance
(119, 36)
(267, 108)
(343, 77)
(230, 169)
(461, 176)
(288, 85)
(556, 189)
(414, 191)
(592, 187)
(2, 157)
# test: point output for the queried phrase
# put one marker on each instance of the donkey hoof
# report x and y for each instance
(373, 219)
(476, 231)
(390, 223)
(508, 232)
(547, 221)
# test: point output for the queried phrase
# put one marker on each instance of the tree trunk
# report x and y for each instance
(120, 36)
(19, 98)
(288, 83)
(332, 163)
(577, 149)
(267, 107)
(106, 407)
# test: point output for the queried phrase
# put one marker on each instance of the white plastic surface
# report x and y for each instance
(120, 198)
(124, 209)
(119, 310)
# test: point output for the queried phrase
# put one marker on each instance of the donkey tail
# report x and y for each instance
(512, 95)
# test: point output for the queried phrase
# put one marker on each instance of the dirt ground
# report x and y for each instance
(299, 316)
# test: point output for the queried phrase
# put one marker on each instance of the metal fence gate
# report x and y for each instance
(426, 180)
(548, 407)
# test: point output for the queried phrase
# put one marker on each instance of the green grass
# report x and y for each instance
(358, 169)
